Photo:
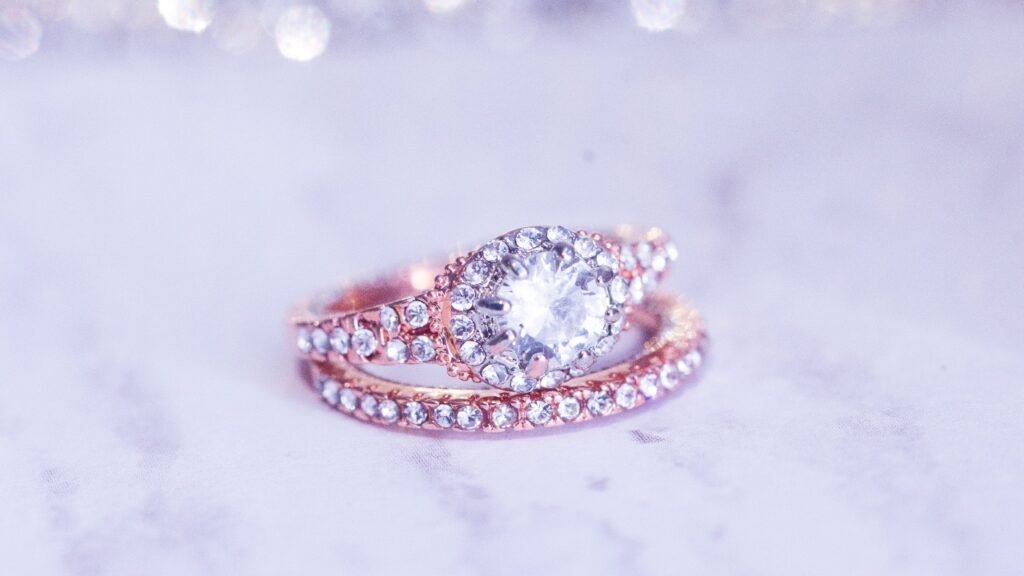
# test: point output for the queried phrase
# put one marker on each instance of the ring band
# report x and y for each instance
(532, 308)
(671, 357)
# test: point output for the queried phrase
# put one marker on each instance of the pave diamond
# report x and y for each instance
(494, 250)
(416, 314)
(462, 327)
(618, 290)
(369, 405)
(670, 376)
(339, 340)
(396, 351)
(649, 385)
(388, 411)
(600, 403)
(569, 408)
(320, 340)
(330, 391)
(522, 383)
(471, 353)
(529, 238)
(364, 342)
(348, 400)
(444, 416)
(538, 412)
(476, 272)
(389, 319)
(557, 309)
(561, 235)
(303, 341)
(503, 416)
(422, 349)
(693, 358)
(415, 413)
(586, 247)
(495, 374)
(463, 297)
(552, 379)
(625, 396)
(469, 417)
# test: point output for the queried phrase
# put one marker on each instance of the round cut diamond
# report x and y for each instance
(503, 416)
(522, 383)
(494, 250)
(670, 376)
(415, 413)
(693, 359)
(369, 405)
(463, 297)
(529, 238)
(416, 314)
(476, 272)
(303, 341)
(607, 260)
(649, 385)
(389, 319)
(618, 290)
(320, 340)
(552, 379)
(495, 374)
(422, 349)
(625, 397)
(388, 411)
(586, 247)
(396, 351)
(469, 417)
(462, 327)
(444, 416)
(600, 404)
(348, 400)
(569, 408)
(538, 412)
(339, 340)
(557, 308)
(471, 353)
(330, 390)
(561, 235)
(364, 342)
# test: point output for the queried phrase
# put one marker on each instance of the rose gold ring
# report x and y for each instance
(531, 309)
(669, 358)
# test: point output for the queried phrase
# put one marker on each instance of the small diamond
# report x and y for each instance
(463, 297)
(494, 250)
(469, 417)
(396, 351)
(339, 340)
(495, 374)
(669, 376)
(607, 259)
(683, 368)
(388, 410)
(462, 327)
(529, 238)
(625, 397)
(649, 385)
(627, 258)
(320, 340)
(415, 413)
(422, 349)
(503, 416)
(636, 289)
(671, 251)
(364, 342)
(444, 416)
(348, 400)
(369, 405)
(330, 391)
(552, 379)
(416, 314)
(618, 290)
(600, 403)
(561, 235)
(586, 247)
(389, 319)
(522, 383)
(604, 345)
(693, 358)
(643, 254)
(303, 341)
(471, 353)
(659, 260)
(538, 412)
(476, 272)
(569, 408)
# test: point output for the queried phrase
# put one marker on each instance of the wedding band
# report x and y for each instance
(530, 309)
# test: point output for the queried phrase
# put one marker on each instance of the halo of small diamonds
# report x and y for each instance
(538, 304)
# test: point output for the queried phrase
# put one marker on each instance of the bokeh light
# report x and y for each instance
(658, 15)
(187, 15)
(302, 33)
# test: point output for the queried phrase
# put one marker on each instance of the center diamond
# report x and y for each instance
(557, 308)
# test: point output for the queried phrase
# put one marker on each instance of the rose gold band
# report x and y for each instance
(669, 358)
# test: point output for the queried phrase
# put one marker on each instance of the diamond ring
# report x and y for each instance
(669, 358)
(531, 309)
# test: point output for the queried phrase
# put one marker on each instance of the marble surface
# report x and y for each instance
(849, 208)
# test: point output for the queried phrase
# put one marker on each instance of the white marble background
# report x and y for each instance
(850, 209)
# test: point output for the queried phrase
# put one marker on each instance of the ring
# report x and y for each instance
(670, 357)
(530, 309)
